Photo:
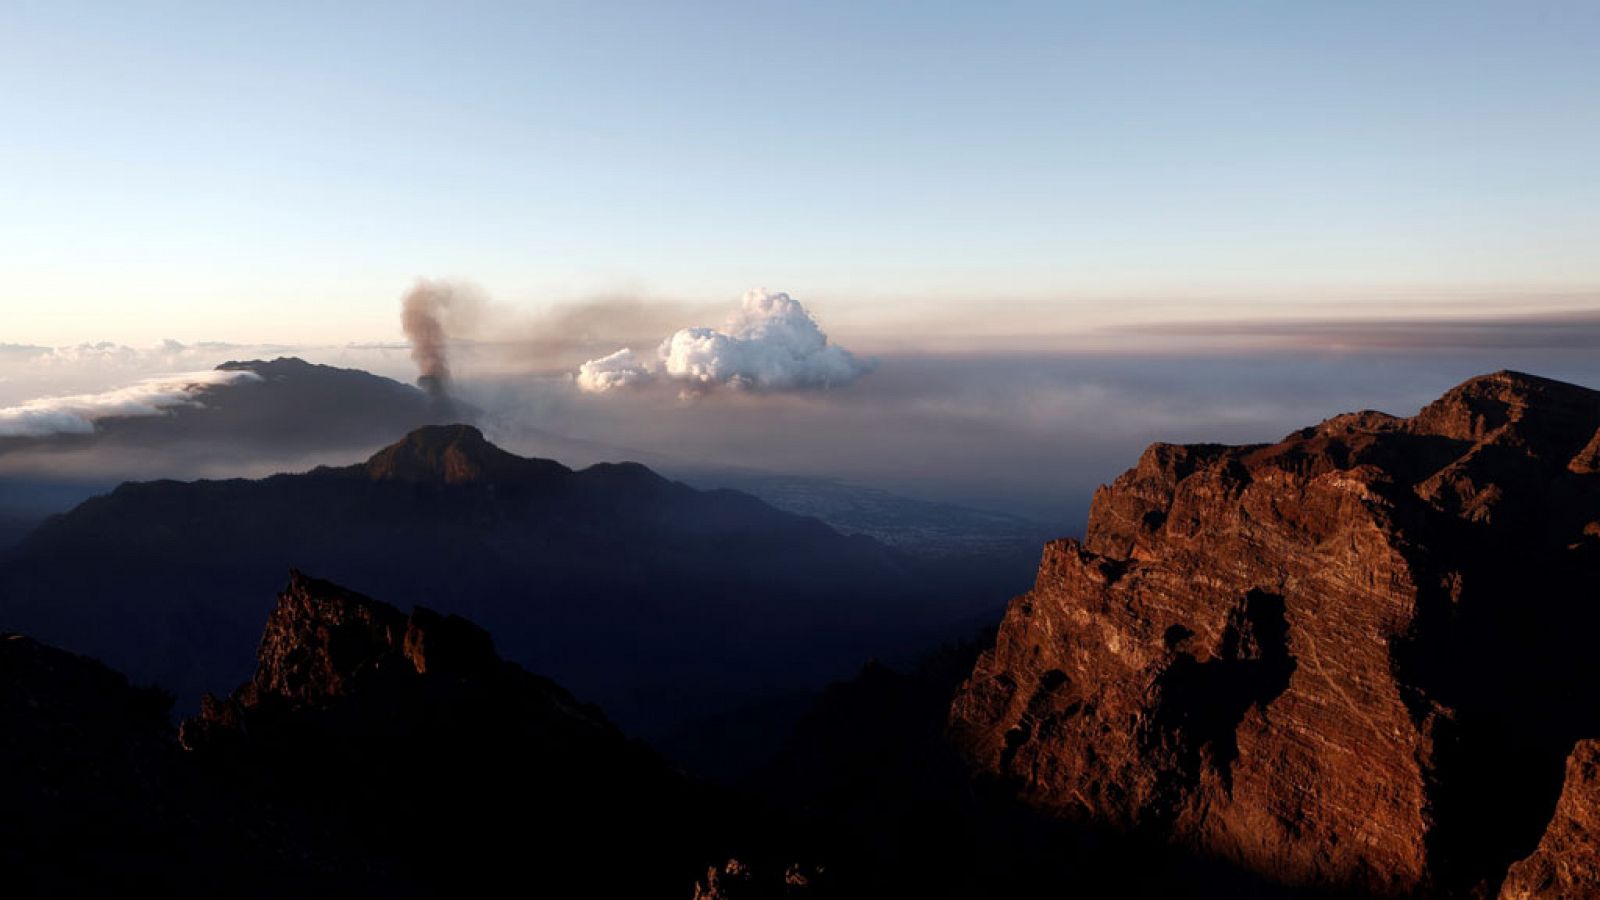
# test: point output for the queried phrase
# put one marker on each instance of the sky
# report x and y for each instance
(974, 252)
(284, 172)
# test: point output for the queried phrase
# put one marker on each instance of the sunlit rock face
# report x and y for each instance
(1344, 659)
(1567, 862)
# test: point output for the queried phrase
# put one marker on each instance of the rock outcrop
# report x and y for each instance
(452, 770)
(1346, 659)
(1567, 863)
(326, 649)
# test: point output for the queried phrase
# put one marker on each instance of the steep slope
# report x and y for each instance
(1345, 659)
(656, 600)
(1567, 863)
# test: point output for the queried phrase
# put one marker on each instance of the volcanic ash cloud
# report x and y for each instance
(428, 313)
(771, 344)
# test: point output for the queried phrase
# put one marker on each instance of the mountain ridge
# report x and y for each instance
(640, 592)
(1316, 612)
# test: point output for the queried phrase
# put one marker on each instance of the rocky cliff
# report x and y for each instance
(1349, 659)
(1567, 863)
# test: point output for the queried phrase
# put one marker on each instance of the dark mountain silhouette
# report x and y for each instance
(293, 408)
(657, 600)
(371, 753)
(296, 415)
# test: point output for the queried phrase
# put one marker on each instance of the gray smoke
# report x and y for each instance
(428, 313)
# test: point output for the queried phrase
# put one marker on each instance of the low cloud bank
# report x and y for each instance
(77, 413)
(771, 344)
(1568, 330)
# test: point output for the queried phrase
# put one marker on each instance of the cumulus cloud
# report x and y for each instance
(76, 414)
(617, 370)
(771, 344)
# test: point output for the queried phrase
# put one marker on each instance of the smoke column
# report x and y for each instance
(422, 315)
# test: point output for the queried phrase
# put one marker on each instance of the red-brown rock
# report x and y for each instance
(1344, 659)
(1567, 863)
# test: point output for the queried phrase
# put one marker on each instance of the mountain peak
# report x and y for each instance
(1348, 582)
(282, 363)
(322, 639)
(449, 454)
(1540, 410)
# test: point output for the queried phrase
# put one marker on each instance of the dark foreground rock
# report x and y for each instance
(373, 752)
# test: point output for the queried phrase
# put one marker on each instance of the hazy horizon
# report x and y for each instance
(983, 255)
(1028, 434)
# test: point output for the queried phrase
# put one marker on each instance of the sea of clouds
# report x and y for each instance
(77, 413)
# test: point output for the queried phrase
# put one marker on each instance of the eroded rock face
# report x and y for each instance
(1337, 660)
(1567, 863)
(323, 643)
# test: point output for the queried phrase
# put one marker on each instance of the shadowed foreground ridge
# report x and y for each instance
(439, 762)
(1352, 659)
(328, 652)
(371, 753)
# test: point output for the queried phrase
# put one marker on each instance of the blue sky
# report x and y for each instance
(281, 172)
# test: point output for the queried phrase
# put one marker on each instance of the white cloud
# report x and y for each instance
(771, 344)
(77, 413)
(618, 370)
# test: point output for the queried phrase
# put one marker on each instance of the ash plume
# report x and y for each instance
(427, 314)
